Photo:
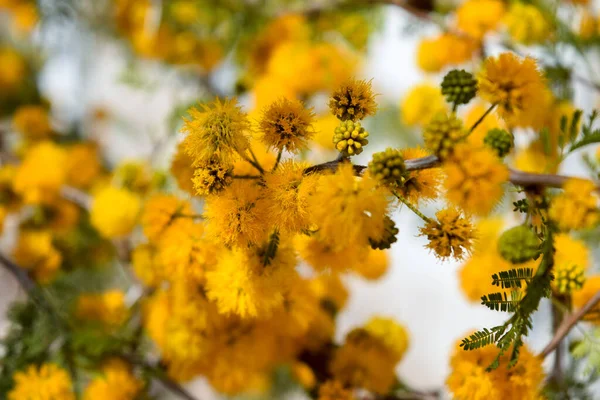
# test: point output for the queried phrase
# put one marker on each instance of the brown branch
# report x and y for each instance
(19, 273)
(568, 323)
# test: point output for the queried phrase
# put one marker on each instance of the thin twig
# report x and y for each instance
(19, 273)
(480, 120)
(412, 207)
(279, 154)
(568, 323)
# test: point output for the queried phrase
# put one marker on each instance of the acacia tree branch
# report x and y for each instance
(568, 323)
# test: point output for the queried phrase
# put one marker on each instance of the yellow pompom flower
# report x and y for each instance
(32, 122)
(289, 190)
(474, 178)
(12, 69)
(182, 170)
(212, 177)
(218, 131)
(34, 180)
(160, 212)
(116, 382)
(469, 380)
(571, 261)
(526, 24)
(478, 17)
(420, 185)
(115, 212)
(348, 210)
(421, 103)
(317, 252)
(83, 165)
(353, 101)
(35, 252)
(46, 382)
(239, 215)
(582, 296)
(391, 333)
(334, 390)
(577, 206)
(107, 308)
(514, 84)
(287, 125)
(450, 235)
(433, 54)
(374, 265)
(364, 361)
(247, 284)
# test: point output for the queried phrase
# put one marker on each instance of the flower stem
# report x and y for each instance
(277, 160)
(480, 120)
(412, 207)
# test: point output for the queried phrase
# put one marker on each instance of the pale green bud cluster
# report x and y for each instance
(350, 138)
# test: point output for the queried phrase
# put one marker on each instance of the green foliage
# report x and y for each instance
(588, 135)
(271, 249)
(501, 302)
(588, 350)
(513, 278)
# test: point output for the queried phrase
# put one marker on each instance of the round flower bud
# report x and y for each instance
(569, 278)
(518, 245)
(459, 86)
(500, 141)
(388, 166)
(350, 138)
(442, 133)
(388, 237)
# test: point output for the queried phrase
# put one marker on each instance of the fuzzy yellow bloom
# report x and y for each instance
(160, 212)
(317, 252)
(450, 235)
(577, 206)
(534, 159)
(34, 181)
(474, 178)
(32, 122)
(420, 185)
(218, 131)
(12, 69)
(433, 54)
(182, 170)
(514, 84)
(107, 308)
(469, 380)
(391, 333)
(334, 390)
(211, 178)
(364, 361)
(421, 103)
(374, 265)
(287, 125)
(478, 17)
(83, 165)
(239, 215)
(36, 253)
(115, 212)
(46, 382)
(582, 296)
(245, 284)
(353, 100)
(526, 24)
(354, 209)
(116, 382)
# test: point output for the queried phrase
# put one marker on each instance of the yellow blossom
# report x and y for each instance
(571, 261)
(420, 104)
(477, 17)
(374, 265)
(420, 185)
(490, 122)
(162, 210)
(182, 170)
(474, 178)
(514, 84)
(133, 175)
(304, 375)
(116, 382)
(146, 265)
(34, 180)
(334, 390)
(115, 212)
(83, 165)
(46, 382)
(433, 54)
(317, 252)
(107, 308)
(32, 122)
(36, 253)
(354, 100)
(324, 128)
(577, 206)
(287, 125)
(12, 69)
(391, 333)
(526, 23)
(450, 235)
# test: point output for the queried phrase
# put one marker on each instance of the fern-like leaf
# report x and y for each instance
(502, 302)
(513, 278)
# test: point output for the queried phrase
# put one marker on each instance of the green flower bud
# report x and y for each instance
(442, 133)
(388, 167)
(459, 87)
(350, 138)
(518, 245)
(389, 235)
(569, 279)
(500, 141)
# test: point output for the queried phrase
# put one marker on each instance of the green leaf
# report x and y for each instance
(513, 278)
(591, 138)
(502, 302)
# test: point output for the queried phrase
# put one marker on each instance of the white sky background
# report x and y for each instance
(418, 291)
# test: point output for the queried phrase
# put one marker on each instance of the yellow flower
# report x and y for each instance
(34, 180)
(514, 84)
(436, 53)
(268, 89)
(477, 17)
(582, 296)
(317, 252)
(330, 288)
(83, 165)
(364, 361)
(244, 284)
(420, 185)
(391, 333)
(117, 382)
(571, 261)
(577, 206)
(534, 159)
(348, 210)
(354, 100)
(12, 69)
(218, 131)
(115, 212)
(334, 390)
(474, 178)
(182, 170)
(288, 190)
(490, 122)
(239, 215)
(287, 125)
(133, 175)
(160, 212)
(324, 128)
(304, 375)
(35, 252)
(469, 380)
(47, 382)
(146, 265)
(451, 235)
(212, 178)
(374, 265)
(421, 104)
(107, 308)
(526, 24)
(32, 122)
